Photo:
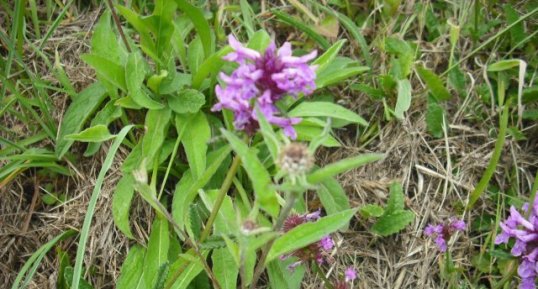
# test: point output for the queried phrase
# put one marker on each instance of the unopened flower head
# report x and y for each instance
(318, 251)
(295, 159)
(525, 233)
(441, 233)
(262, 80)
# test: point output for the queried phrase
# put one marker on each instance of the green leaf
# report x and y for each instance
(332, 196)
(211, 65)
(225, 269)
(77, 114)
(259, 41)
(281, 277)
(261, 180)
(203, 29)
(68, 275)
(308, 233)
(121, 203)
(269, 136)
(403, 102)
(106, 42)
(326, 109)
(195, 139)
(434, 118)
(393, 222)
(105, 116)
(310, 133)
(299, 24)
(108, 70)
(135, 73)
(192, 270)
(157, 122)
(341, 166)
(504, 65)
(195, 55)
(131, 275)
(187, 188)
(396, 200)
(186, 101)
(157, 252)
(329, 55)
(338, 70)
(96, 133)
(434, 83)
(371, 210)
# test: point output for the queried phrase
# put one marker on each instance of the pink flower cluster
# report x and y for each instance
(525, 233)
(262, 80)
(441, 233)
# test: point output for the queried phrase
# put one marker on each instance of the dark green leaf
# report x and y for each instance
(157, 252)
(121, 203)
(131, 275)
(186, 101)
(392, 223)
(434, 83)
(157, 122)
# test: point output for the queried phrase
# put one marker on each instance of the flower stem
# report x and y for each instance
(290, 202)
(220, 197)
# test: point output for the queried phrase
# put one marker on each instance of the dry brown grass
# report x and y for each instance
(437, 175)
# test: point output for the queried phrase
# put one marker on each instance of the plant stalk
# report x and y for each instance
(220, 197)
(118, 25)
(290, 202)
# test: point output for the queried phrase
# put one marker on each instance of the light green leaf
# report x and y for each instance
(108, 70)
(186, 101)
(211, 65)
(329, 55)
(326, 109)
(96, 133)
(106, 42)
(434, 83)
(105, 116)
(195, 139)
(135, 73)
(308, 233)
(504, 65)
(342, 166)
(281, 277)
(201, 25)
(77, 114)
(121, 203)
(269, 136)
(131, 275)
(338, 70)
(332, 196)
(310, 133)
(195, 55)
(157, 122)
(192, 270)
(434, 118)
(393, 222)
(396, 200)
(371, 210)
(259, 41)
(157, 252)
(225, 269)
(68, 276)
(260, 178)
(403, 101)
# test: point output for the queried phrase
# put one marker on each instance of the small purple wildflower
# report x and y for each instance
(318, 251)
(441, 233)
(350, 274)
(262, 80)
(525, 233)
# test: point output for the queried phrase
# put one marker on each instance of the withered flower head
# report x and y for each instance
(295, 159)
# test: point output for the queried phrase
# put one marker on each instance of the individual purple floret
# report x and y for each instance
(441, 233)
(349, 276)
(525, 232)
(318, 251)
(262, 80)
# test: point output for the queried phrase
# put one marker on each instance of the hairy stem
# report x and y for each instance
(118, 25)
(220, 197)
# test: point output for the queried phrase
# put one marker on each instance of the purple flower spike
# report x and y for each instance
(327, 243)
(261, 80)
(441, 233)
(350, 274)
(525, 232)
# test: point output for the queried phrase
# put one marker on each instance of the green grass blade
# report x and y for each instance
(292, 21)
(91, 206)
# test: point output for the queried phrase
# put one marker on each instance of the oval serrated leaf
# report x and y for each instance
(392, 223)
(186, 101)
(342, 166)
(121, 203)
(96, 133)
(326, 109)
(308, 233)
